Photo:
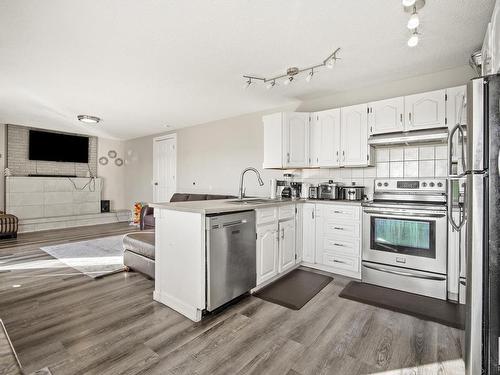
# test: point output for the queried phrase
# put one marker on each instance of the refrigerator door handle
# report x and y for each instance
(457, 128)
(457, 226)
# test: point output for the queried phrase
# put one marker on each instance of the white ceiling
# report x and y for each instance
(141, 65)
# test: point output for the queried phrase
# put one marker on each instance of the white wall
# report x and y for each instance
(113, 177)
(212, 155)
(3, 155)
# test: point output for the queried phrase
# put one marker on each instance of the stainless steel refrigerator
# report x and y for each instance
(482, 210)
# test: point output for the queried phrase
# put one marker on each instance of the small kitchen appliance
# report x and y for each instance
(354, 193)
(405, 236)
(313, 192)
(331, 190)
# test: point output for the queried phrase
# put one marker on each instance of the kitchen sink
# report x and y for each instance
(254, 201)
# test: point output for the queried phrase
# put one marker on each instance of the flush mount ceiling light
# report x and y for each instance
(88, 119)
(413, 6)
(329, 62)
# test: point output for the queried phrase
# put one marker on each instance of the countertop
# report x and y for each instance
(225, 205)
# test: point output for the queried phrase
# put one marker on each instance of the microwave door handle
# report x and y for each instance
(404, 214)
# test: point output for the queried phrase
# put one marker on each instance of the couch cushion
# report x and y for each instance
(142, 243)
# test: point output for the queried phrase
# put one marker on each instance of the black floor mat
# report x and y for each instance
(422, 307)
(295, 289)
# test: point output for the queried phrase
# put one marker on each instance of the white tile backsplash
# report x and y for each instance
(396, 169)
(382, 155)
(357, 173)
(411, 153)
(370, 172)
(426, 153)
(382, 170)
(346, 173)
(441, 152)
(426, 168)
(411, 168)
(396, 154)
(440, 168)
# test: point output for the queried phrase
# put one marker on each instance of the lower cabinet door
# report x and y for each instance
(309, 233)
(267, 252)
(286, 245)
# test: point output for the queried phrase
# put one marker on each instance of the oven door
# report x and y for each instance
(414, 239)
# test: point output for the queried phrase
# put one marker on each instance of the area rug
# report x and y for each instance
(422, 307)
(295, 289)
(95, 258)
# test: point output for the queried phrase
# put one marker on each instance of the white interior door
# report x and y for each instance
(164, 167)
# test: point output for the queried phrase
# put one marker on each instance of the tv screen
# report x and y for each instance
(58, 147)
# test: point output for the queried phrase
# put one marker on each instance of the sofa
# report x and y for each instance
(139, 247)
(147, 213)
(9, 224)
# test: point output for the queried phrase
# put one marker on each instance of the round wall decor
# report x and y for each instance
(103, 160)
(119, 162)
(112, 154)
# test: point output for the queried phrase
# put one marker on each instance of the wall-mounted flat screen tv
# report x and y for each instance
(58, 147)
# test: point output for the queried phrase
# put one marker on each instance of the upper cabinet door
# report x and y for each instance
(354, 134)
(386, 116)
(487, 53)
(456, 106)
(296, 139)
(314, 141)
(426, 110)
(329, 137)
(495, 42)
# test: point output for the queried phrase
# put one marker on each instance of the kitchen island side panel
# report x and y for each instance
(180, 261)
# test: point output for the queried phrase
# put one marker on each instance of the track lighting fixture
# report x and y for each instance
(412, 6)
(413, 41)
(247, 83)
(288, 78)
(310, 75)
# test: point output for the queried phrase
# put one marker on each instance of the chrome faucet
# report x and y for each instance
(242, 192)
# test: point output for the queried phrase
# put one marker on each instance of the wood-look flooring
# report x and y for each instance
(61, 319)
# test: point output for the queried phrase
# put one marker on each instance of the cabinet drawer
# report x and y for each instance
(341, 262)
(339, 212)
(266, 215)
(338, 228)
(286, 212)
(346, 246)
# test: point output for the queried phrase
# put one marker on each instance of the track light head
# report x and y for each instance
(310, 76)
(330, 63)
(271, 84)
(288, 80)
(413, 41)
(408, 3)
(248, 83)
(414, 21)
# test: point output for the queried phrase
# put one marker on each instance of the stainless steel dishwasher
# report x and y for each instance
(231, 256)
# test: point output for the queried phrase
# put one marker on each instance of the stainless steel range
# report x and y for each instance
(405, 236)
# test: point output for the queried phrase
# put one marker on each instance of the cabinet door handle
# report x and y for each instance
(283, 233)
(409, 117)
(288, 157)
(339, 261)
(338, 212)
(339, 244)
(312, 214)
(338, 228)
(401, 118)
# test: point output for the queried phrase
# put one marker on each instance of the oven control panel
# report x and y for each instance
(434, 185)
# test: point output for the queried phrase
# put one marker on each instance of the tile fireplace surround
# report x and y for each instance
(56, 202)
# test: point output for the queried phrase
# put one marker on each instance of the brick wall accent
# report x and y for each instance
(20, 165)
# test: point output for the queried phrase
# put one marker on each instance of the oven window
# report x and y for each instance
(404, 236)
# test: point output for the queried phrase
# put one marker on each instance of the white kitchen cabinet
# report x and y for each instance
(267, 252)
(386, 116)
(426, 110)
(286, 140)
(299, 233)
(296, 140)
(308, 232)
(314, 141)
(495, 39)
(327, 130)
(354, 137)
(487, 52)
(456, 105)
(286, 245)
(338, 238)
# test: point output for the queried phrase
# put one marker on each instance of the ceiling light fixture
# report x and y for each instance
(414, 21)
(413, 41)
(310, 75)
(413, 6)
(88, 119)
(408, 3)
(329, 62)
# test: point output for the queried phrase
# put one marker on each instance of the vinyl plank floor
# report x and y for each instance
(63, 320)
